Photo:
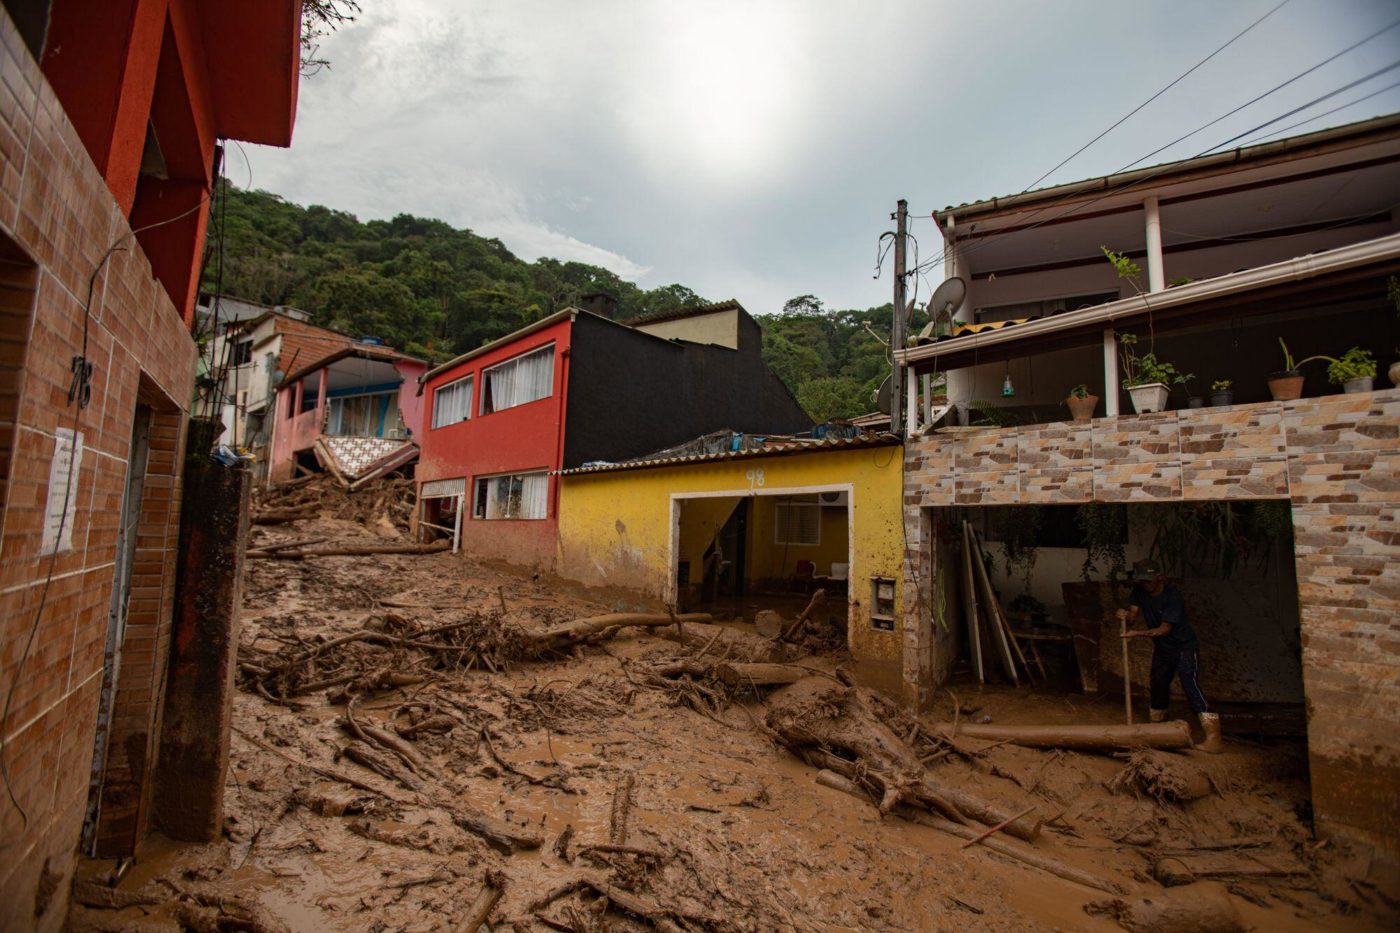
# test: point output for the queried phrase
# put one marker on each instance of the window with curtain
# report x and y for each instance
(363, 416)
(515, 382)
(797, 521)
(516, 495)
(452, 403)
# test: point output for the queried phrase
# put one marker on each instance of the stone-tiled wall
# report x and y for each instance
(1336, 458)
(58, 222)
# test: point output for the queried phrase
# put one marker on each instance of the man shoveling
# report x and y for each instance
(1174, 647)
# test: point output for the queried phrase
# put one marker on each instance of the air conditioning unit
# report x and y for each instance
(834, 499)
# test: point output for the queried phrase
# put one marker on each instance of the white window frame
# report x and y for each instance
(467, 384)
(534, 491)
(514, 363)
(783, 505)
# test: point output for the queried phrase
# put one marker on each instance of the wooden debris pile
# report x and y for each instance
(849, 733)
(383, 504)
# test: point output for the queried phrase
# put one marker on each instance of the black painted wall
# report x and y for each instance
(631, 393)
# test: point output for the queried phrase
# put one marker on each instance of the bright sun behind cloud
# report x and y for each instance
(720, 94)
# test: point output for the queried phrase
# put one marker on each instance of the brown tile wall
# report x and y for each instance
(59, 220)
(1336, 458)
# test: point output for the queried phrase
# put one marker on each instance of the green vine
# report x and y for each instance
(1020, 536)
(1105, 529)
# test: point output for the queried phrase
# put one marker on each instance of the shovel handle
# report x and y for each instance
(1127, 684)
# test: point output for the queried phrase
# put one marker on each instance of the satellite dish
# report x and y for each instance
(946, 299)
(884, 400)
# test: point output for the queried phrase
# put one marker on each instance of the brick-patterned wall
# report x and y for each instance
(1336, 458)
(59, 217)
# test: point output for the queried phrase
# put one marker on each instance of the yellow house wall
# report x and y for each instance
(615, 528)
(768, 559)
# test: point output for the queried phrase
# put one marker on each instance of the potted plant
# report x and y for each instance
(1354, 372)
(1193, 398)
(1081, 403)
(1287, 384)
(1220, 393)
(1147, 379)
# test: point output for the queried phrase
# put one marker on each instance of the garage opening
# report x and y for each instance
(1056, 576)
(736, 555)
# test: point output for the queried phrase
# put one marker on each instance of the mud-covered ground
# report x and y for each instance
(726, 829)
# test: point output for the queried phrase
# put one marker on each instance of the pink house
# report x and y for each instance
(351, 412)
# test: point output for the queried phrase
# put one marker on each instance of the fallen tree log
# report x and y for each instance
(366, 551)
(581, 630)
(495, 887)
(723, 641)
(1017, 851)
(815, 717)
(1205, 906)
(1175, 870)
(1174, 734)
(759, 674)
(500, 835)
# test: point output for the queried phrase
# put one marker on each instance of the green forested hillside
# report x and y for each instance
(430, 289)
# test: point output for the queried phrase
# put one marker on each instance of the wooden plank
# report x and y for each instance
(989, 596)
(974, 631)
(1002, 620)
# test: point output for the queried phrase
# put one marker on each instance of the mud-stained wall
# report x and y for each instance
(615, 527)
(1336, 458)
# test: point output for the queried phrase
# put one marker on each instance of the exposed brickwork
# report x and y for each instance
(1336, 458)
(58, 220)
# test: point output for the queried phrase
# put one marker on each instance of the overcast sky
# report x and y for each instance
(755, 149)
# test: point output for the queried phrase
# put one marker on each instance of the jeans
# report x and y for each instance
(1169, 661)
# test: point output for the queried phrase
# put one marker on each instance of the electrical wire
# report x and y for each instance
(1175, 81)
(969, 250)
(78, 397)
(1325, 113)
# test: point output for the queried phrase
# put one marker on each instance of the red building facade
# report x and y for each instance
(574, 388)
(109, 117)
(525, 440)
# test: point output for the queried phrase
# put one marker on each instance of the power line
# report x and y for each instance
(1278, 87)
(1325, 113)
(1175, 81)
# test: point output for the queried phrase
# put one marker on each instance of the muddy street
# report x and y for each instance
(421, 742)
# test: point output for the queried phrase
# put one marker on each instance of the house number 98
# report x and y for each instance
(755, 478)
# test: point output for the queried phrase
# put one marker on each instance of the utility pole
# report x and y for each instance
(897, 335)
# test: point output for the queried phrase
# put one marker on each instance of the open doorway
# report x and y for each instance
(734, 555)
(1060, 572)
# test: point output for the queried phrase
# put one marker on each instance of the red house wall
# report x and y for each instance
(525, 438)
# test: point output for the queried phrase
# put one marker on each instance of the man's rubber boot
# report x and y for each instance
(1157, 715)
(1210, 724)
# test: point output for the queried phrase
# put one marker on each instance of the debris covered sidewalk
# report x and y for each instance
(422, 742)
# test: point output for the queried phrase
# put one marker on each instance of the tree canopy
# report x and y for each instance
(430, 289)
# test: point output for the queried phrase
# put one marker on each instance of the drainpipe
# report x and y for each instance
(1156, 277)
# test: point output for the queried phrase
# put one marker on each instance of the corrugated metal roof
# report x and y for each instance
(778, 449)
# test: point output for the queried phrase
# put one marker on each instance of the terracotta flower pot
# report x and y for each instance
(1394, 373)
(1286, 386)
(1082, 409)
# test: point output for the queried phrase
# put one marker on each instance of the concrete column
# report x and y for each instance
(1110, 373)
(912, 403)
(194, 743)
(1156, 275)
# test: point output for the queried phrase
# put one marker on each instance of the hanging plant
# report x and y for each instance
(1020, 536)
(1105, 529)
